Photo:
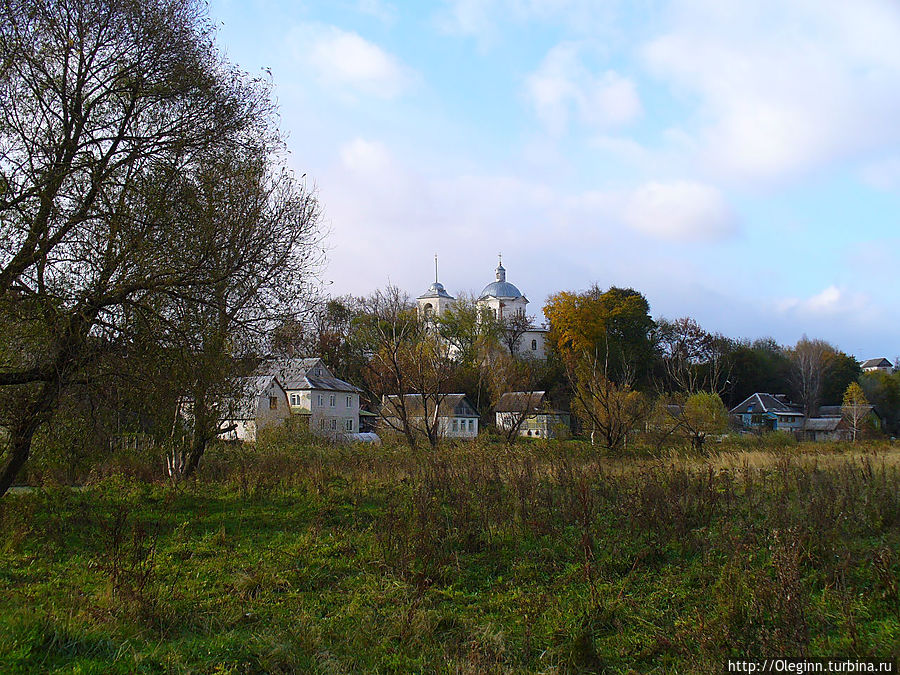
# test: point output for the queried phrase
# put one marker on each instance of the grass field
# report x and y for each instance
(541, 559)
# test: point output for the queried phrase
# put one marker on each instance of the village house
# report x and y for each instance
(453, 415)
(331, 404)
(501, 298)
(261, 402)
(532, 413)
(877, 365)
(768, 412)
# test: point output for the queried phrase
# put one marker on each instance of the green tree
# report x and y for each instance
(703, 415)
(108, 110)
(613, 325)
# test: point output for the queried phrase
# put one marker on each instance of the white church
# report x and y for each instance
(499, 296)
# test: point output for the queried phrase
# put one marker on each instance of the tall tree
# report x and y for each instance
(809, 368)
(613, 325)
(105, 107)
(693, 359)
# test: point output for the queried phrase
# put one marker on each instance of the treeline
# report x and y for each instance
(607, 360)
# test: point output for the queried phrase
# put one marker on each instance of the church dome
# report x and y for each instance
(436, 290)
(501, 288)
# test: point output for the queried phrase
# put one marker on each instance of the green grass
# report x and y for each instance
(546, 558)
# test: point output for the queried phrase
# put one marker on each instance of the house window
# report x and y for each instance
(334, 424)
(455, 425)
(318, 372)
(534, 345)
(471, 425)
(349, 425)
(273, 403)
(295, 399)
(322, 423)
(321, 400)
(349, 401)
(331, 400)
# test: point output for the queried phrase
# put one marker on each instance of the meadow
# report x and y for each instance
(479, 558)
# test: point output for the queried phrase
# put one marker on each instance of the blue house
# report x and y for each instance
(768, 412)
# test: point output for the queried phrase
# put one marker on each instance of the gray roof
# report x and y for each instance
(766, 403)
(501, 289)
(837, 410)
(299, 374)
(521, 401)
(821, 423)
(436, 290)
(877, 363)
(452, 405)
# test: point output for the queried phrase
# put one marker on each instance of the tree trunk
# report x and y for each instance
(19, 449)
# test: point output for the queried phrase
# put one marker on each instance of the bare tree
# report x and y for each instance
(518, 379)
(512, 328)
(693, 359)
(809, 368)
(409, 367)
(105, 107)
(612, 409)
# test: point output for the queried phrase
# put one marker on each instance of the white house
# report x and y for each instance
(331, 404)
(262, 402)
(876, 365)
(455, 417)
(501, 298)
(531, 412)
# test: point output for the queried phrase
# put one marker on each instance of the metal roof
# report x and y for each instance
(520, 401)
(766, 403)
(300, 374)
(501, 289)
(436, 290)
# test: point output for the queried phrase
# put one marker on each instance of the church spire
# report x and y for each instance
(501, 272)
(435, 269)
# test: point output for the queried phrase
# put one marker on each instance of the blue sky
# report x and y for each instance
(736, 162)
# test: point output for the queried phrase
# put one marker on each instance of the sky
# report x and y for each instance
(736, 162)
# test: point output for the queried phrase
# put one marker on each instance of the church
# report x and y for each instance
(501, 297)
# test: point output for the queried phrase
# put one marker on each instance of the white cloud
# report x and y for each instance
(484, 19)
(346, 61)
(563, 87)
(365, 157)
(830, 302)
(679, 211)
(784, 87)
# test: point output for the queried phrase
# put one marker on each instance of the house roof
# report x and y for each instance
(877, 363)
(766, 403)
(822, 423)
(300, 374)
(521, 401)
(838, 411)
(452, 405)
